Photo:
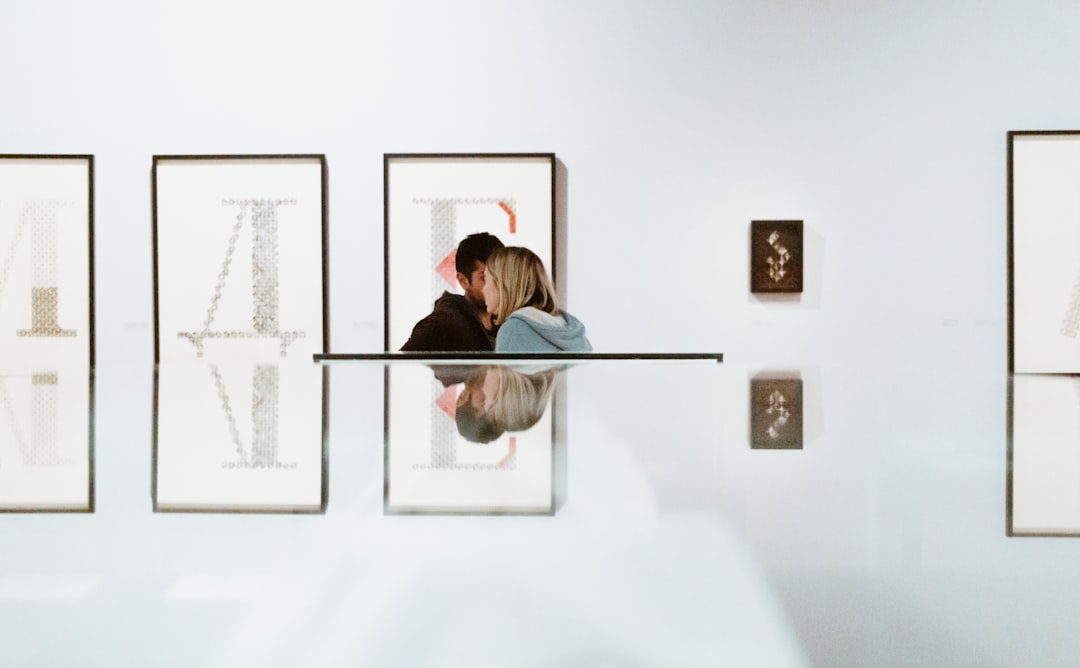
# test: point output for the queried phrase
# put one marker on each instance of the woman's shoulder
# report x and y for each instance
(527, 332)
(517, 334)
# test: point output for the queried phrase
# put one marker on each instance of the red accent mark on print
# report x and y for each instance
(448, 270)
(447, 401)
(513, 216)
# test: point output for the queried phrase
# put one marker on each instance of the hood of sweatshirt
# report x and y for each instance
(563, 331)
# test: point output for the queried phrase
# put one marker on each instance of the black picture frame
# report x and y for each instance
(239, 160)
(1043, 277)
(448, 496)
(776, 411)
(208, 504)
(1042, 488)
(776, 256)
(455, 178)
(57, 369)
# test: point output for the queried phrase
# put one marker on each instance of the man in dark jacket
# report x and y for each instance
(460, 323)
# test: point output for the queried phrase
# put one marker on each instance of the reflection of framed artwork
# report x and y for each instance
(776, 256)
(46, 259)
(1043, 487)
(46, 440)
(433, 201)
(239, 257)
(447, 452)
(240, 437)
(776, 410)
(1044, 267)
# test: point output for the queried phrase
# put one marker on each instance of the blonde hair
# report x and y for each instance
(522, 398)
(521, 280)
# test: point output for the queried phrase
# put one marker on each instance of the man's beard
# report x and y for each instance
(477, 301)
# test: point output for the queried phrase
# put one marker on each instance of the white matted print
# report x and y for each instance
(46, 260)
(1044, 226)
(239, 257)
(435, 201)
(46, 440)
(473, 439)
(1044, 470)
(240, 437)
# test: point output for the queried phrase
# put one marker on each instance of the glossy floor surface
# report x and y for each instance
(649, 514)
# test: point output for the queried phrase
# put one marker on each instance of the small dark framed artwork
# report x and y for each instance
(776, 412)
(776, 256)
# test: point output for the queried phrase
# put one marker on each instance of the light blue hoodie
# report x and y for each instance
(530, 330)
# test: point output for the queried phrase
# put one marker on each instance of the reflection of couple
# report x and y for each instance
(498, 399)
(509, 305)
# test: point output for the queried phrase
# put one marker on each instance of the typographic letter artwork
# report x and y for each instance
(42, 219)
(265, 279)
(444, 235)
(265, 410)
(42, 448)
(444, 440)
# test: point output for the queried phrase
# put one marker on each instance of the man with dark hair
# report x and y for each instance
(460, 323)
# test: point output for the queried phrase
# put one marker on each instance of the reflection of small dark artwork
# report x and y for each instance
(776, 413)
(776, 256)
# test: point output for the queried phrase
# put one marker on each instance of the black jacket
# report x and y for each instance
(452, 326)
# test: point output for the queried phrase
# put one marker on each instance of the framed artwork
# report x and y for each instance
(433, 201)
(1043, 486)
(46, 440)
(776, 256)
(1044, 270)
(240, 437)
(473, 439)
(239, 257)
(776, 411)
(46, 333)
(46, 260)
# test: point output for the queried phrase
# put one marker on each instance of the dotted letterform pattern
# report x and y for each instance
(42, 218)
(42, 448)
(265, 412)
(1070, 325)
(444, 235)
(444, 441)
(265, 279)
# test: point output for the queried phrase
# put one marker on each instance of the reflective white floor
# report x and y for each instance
(667, 539)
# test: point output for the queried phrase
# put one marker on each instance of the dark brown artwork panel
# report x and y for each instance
(776, 256)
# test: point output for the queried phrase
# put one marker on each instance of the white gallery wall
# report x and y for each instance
(882, 125)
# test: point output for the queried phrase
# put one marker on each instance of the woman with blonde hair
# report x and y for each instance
(520, 398)
(520, 297)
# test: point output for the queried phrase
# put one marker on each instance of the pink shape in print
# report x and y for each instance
(448, 270)
(447, 401)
